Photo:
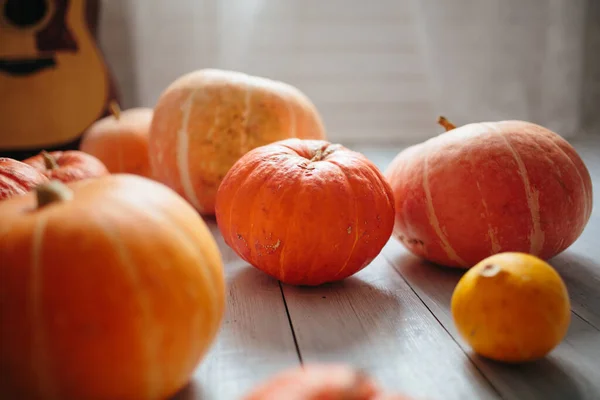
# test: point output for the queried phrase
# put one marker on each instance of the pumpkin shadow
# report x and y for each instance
(192, 391)
(546, 378)
(428, 279)
(334, 320)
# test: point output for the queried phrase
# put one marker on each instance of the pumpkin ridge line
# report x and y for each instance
(182, 151)
(433, 219)
(356, 224)
(536, 236)
(292, 114)
(260, 187)
(245, 118)
(287, 229)
(248, 173)
(150, 347)
(163, 222)
(588, 204)
(15, 176)
(40, 357)
(494, 243)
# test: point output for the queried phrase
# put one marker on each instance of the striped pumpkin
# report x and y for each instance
(18, 178)
(487, 188)
(111, 288)
(206, 120)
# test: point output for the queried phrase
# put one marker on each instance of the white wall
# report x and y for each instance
(379, 71)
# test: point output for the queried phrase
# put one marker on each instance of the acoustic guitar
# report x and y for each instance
(54, 82)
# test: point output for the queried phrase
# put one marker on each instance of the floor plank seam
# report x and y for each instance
(287, 311)
(585, 319)
(494, 388)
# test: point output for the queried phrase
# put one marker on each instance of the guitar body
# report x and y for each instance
(53, 79)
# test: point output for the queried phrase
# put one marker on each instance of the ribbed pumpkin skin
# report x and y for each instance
(207, 119)
(17, 178)
(487, 188)
(305, 222)
(72, 165)
(117, 293)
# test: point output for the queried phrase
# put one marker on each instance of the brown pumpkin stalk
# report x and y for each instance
(446, 124)
(115, 110)
(49, 160)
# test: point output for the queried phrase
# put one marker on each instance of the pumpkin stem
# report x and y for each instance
(490, 270)
(115, 110)
(51, 192)
(49, 161)
(446, 124)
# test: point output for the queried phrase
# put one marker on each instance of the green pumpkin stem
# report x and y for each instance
(52, 192)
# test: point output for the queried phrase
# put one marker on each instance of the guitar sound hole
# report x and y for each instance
(25, 13)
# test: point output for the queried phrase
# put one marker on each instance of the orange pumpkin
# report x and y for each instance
(316, 382)
(111, 288)
(487, 188)
(120, 141)
(206, 120)
(17, 178)
(67, 166)
(305, 211)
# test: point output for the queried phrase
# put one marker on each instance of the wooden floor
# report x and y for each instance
(392, 320)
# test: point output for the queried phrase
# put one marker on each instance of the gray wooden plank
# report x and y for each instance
(255, 340)
(571, 371)
(579, 266)
(375, 322)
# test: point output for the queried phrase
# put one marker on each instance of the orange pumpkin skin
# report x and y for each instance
(17, 178)
(116, 293)
(487, 188)
(121, 143)
(316, 382)
(206, 120)
(68, 166)
(303, 221)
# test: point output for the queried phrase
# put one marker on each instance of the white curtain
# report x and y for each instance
(379, 71)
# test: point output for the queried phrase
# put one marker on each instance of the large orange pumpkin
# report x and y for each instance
(111, 288)
(120, 140)
(206, 120)
(305, 211)
(17, 178)
(486, 188)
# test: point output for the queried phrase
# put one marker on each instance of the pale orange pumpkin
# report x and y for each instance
(120, 140)
(207, 119)
(67, 166)
(17, 178)
(486, 188)
(316, 382)
(321, 382)
(306, 212)
(111, 288)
